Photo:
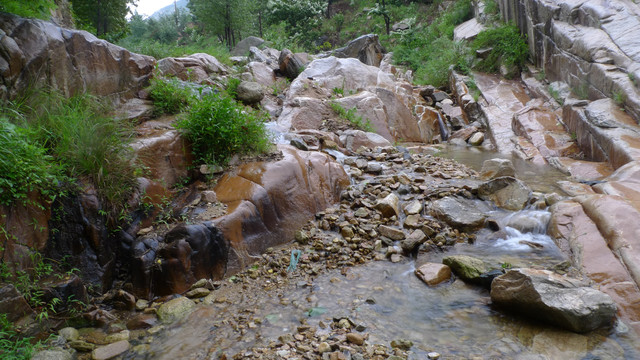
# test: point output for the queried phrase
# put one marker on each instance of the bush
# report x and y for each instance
(24, 165)
(509, 48)
(352, 117)
(169, 96)
(12, 346)
(218, 127)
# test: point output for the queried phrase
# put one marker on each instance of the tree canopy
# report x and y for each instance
(32, 8)
(105, 18)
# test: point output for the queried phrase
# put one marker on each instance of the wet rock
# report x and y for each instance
(354, 139)
(250, 92)
(433, 274)
(82, 346)
(506, 192)
(460, 213)
(119, 336)
(415, 239)
(53, 354)
(389, 206)
(175, 309)
(433, 355)
(466, 267)
(197, 293)
(110, 351)
(13, 304)
(495, 168)
(324, 347)
(69, 334)
(565, 302)
(485, 279)
(142, 321)
(414, 207)
(476, 139)
(402, 344)
(374, 168)
(366, 48)
(413, 221)
(391, 232)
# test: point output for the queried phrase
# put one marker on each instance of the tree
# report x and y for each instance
(298, 15)
(225, 18)
(381, 9)
(33, 8)
(105, 18)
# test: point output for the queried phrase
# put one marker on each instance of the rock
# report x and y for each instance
(76, 61)
(433, 355)
(197, 293)
(433, 274)
(142, 304)
(242, 48)
(69, 334)
(119, 336)
(565, 302)
(355, 338)
(400, 26)
(413, 221)
(497, 167)
(110, 351)
(414, 207)
(256, 55)
(402, 344)
(468, 30)
(142, 321)
(53, 354)
(290, 65)
(476, 139)
(374, 168)
(121, 300)
(391, 232)
(506, 192)
(354, 139)
(13, 304)
(366, 48)
(175, 309)
(439, 96)
(415, 239)
(164, 154)
(389, 206)
(460, 213)
(324, 347)
(466, 267)
(136, 110)
(250, 92)
(209, 196)
(82, 346)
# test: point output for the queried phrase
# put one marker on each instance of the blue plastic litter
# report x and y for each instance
(293, 263)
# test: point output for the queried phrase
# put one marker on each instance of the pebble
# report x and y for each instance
(355, 338)
(433, 355)
(324, 347)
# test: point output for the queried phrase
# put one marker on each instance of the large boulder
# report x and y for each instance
(506, 192)
(565, 302)
(250, 92)
(175, 309)
(366, 48)
(39, 53)
(290, 64)
(242, 48)
(460, 213)
(495, 168)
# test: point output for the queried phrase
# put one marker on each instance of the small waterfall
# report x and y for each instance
(444, 133)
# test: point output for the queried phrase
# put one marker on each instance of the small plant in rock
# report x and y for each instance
(555, 95)
(218, 128)
(582, 91)
(507, 46)
(619, 98)
(279, 86)
(352, 117)
(169, 96)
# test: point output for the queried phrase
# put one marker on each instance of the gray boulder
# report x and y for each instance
(460, 213)
(506, 192)
(290, 64)
(250, 92)
(242, 48)
(565, 302)
(366, 48)
(495, 168)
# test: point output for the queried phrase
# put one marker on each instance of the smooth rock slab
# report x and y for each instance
(433, 274)
(110, 351)
(565, 302)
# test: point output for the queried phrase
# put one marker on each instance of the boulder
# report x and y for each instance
(250, 92)
(415, 239)
(110, 351)
(290, 64)
(354, 139)
(175, 309)
(37, 53)
(468, 30)
(242, 48)
(433, 274)
(262, 73)
(506, 192)
(13, 304)
(52, 354)
(391, 232)
(389, 206)
(466, 267)
(565, 302)
(460, 213)
(497, 167)
(366, 48)
(163, 152)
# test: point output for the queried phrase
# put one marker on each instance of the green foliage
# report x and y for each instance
(40, 9)
(279, 86)
(169, 96)
(352, 117)
(12, 346)
(232, 87)
(556, 95)
(508, 48)
(25, 166)
(582, 91)
(226, 19)
(218, 127)
(619, 97)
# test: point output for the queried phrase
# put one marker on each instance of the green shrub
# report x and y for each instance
(508, 48)
(12, 346)
(352, 117)
(169, 96)
(218, 128)
(25, 166)
(232, 87)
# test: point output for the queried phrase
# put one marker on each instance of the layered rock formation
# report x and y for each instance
(35, 53)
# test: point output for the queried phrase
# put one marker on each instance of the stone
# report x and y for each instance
(142, 304)
(82, 346)
(69, 333)
(110, 351)
(324, 347)
(142, 321)
(433, 355)
(415, 239)
(250, 92)
(414, 207)
(355, 338)
(506, 192)
(209, 196)
(374, 168)
(197, 293)
(389, 206)
(401, 344)
(413, 221)
(242, 48)
(391, 232)
(52, 354)
(354, 139)
(121, 300)
(460, 213)
(366, 48)
(466, 267)
(497, 167)
(13, 303)
(476, 139)
(433, 274)
(468, 30)
(175, 309)
(119, 336)
(290, 64)
(562, 301)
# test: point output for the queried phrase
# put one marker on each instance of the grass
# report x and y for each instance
(219, 127)
(12, 346)
(619, 97)
(351, 116)
(169, 96)
(161, 50)
(556, 95)
(507, 46)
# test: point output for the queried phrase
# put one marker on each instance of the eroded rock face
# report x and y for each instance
(197, 68)
(366, 48)
(562, 301)
(42, 53)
